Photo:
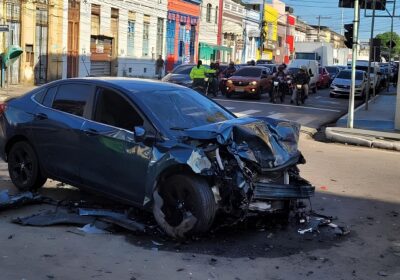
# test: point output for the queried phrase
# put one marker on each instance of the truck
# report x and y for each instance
(323, 52)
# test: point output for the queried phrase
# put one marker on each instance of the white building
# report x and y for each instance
(232, 30)
(251, 35)
(208, 31)
(119, 38)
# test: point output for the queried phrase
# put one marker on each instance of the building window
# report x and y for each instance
(29, 54)
(192, 42)
(130, 48)
(146, 27)
(182, 33)
(208, 13)
(171, 36)
(95, 20)
(279, 41)
(160, 35)
(216, 15)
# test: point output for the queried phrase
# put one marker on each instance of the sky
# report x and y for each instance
(309, 10)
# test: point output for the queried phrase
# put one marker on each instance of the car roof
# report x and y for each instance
(130, 84)
(258, 67)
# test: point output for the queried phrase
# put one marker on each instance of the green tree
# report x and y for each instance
(385, 38)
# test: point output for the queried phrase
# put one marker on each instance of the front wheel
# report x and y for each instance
(23, 167)
(184, 205)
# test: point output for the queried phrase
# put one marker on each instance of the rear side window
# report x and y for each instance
(72, 98)
(48, 99)
(39, 95)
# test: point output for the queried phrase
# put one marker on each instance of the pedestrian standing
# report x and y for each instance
(159, 67)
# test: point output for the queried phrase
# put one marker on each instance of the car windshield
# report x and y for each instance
(346, 75)
(183, 69)
(332, 70)
(181, 109)
(248, 72)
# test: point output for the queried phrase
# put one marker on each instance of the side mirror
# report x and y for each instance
(139, 134)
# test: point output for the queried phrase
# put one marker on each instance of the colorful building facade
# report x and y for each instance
(269, 32)
(182, 32)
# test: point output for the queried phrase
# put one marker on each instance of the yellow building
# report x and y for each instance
(270, 31)
(37, 28)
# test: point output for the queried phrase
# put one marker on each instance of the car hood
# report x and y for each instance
(345, 82)
(267, 142)
(244, 79)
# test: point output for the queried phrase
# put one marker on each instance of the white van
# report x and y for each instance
(313, 70)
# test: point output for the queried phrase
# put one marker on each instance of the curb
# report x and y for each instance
(360, 139)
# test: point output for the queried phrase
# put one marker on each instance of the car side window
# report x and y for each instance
(72, 98)
(113, 109)
(38, 96)
(48, 99)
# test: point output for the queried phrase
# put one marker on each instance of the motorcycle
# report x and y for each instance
(278, 91)
(300, 96)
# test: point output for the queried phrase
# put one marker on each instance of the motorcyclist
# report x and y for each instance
(302, 78)
(198, 74)
(213, 79)
(228, 72)
(279, 76)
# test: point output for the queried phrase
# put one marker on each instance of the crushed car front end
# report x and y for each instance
(250, 164)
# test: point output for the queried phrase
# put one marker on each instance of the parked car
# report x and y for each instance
(158, 146)
(265, 61)
(180, 75)
(333, 71)
(342, 83)
(324, 79)
(250, 81)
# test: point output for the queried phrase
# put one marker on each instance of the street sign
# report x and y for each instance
(391, 43)
(4, 28)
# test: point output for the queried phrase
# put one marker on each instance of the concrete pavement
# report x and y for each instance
(318, 110)
(358, 185)
(372, 128)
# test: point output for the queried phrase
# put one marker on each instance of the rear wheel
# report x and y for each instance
(23, 167)
(184, 205)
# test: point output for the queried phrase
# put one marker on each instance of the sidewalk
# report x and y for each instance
(14, 90)
(372, 128)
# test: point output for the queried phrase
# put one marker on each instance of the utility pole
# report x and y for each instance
(341, 29)
(350, 118)
(371, 49)
(319, 23)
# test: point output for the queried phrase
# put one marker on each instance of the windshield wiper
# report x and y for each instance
(178, 128)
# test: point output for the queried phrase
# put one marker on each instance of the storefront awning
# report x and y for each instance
(212, 47)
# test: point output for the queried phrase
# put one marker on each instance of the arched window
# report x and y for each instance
(216, 14)
(208, 14)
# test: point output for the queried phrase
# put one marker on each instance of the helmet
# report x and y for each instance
(281, 68)
(304, 68)
(231, 63)
(284, 65)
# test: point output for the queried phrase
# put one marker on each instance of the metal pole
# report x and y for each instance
(350, 118)
(370, 50)
(319, 26)
(374, 88)
(390, 47)
(262, 31)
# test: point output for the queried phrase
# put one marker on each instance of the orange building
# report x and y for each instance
(182, 32)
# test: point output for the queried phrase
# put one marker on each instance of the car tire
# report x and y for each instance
(181, 196)
(228, 95)
(23, 167)
(314, 90)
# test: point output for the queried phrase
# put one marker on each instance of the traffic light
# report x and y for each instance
(348, 34)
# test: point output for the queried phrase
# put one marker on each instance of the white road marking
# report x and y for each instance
(277, 116)
(283, 105)
(246, 113)
(305, 120)
(230, 108)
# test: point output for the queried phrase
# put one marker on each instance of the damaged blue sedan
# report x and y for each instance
(158, 146)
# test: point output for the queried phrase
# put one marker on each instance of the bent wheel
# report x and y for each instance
(23, 167)
(184, 205)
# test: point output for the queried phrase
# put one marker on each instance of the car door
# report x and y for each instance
(114, 163)
(56, 129)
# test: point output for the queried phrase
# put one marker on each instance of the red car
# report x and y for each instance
(324, 80)
(250, 81)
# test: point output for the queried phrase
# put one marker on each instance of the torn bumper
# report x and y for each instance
(271, 191)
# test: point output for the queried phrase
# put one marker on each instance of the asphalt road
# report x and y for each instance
(358, 185)
(319, 109)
